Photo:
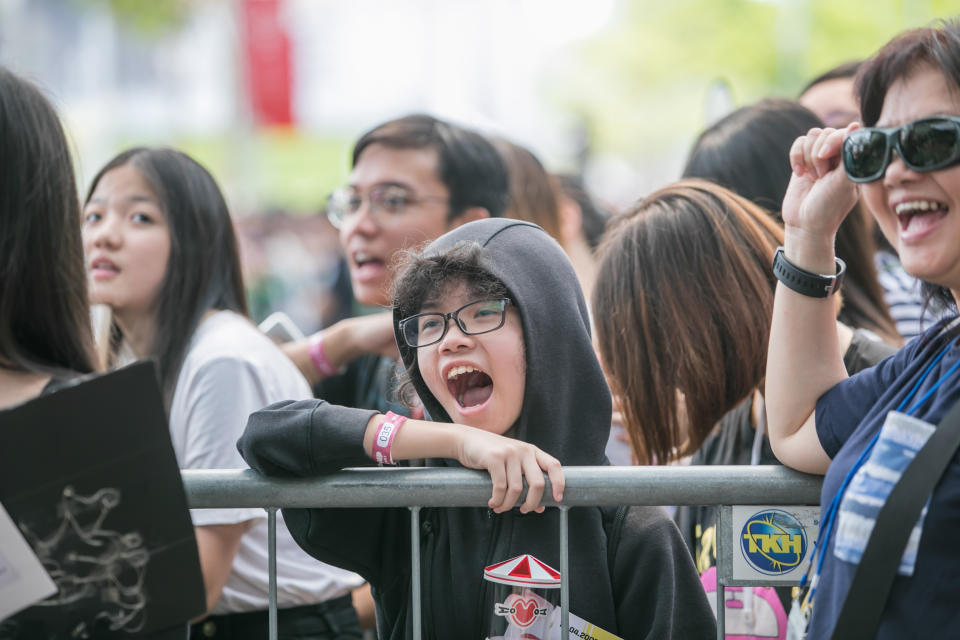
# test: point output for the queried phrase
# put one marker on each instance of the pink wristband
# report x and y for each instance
(319, 358)
(384, 438)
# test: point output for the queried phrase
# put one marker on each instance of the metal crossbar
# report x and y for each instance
(415, 488)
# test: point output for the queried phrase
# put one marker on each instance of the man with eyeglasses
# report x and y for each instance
(413, 179)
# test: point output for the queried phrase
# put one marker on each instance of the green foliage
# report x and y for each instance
(151, 18)
(283, 169)
(645, 77)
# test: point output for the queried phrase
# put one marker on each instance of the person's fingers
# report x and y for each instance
(808, 141)
(810, 149)
(816, 157)
(555, 472)
(535, 483)
(514, 475)
(498, 475)
(832, 143)
(796, 156)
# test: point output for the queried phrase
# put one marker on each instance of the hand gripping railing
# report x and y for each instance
(415, 488)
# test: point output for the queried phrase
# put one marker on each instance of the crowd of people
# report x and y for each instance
(791, 299)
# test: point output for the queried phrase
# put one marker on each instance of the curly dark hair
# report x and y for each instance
(423, 278)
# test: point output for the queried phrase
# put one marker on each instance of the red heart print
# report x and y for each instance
(525, 611)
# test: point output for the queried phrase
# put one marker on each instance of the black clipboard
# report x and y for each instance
(89, 476)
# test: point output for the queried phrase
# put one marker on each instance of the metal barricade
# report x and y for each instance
(415, 488)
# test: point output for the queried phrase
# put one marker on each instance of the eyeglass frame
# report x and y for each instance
(375, 203)
(893, 133)
(455, 316)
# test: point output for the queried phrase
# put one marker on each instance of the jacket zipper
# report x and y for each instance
(427, 548)
(489, 559)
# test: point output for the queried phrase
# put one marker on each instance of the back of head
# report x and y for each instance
(748, 152)
(469, 165)
(44, 311)
(682, 310)
(203, 271)
(532, 195)
(593, 217)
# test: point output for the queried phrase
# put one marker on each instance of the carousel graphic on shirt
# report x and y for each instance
(526, 604)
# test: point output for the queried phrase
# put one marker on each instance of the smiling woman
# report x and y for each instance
(863, 431)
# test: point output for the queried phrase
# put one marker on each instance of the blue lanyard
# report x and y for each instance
(828, 519)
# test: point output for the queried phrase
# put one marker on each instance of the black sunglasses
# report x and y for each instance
(927, 144)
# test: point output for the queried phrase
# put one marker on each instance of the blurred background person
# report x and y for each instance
(582, 223)
(413, 179)
(831, 96)
(532, 194)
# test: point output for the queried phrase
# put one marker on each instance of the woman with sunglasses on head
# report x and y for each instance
(861, 431)
(477, 317)
(162, 255)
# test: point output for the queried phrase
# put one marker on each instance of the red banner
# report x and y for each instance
(267, 47)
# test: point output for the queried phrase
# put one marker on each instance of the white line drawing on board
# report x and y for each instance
(88, 562)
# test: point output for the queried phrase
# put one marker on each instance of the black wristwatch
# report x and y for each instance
(805, 282)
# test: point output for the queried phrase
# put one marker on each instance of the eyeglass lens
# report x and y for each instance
(477, 317)
(345, 202)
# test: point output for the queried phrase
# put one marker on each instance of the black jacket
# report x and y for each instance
(648, 589)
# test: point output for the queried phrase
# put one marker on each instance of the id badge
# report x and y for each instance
(900, 438)
(798, 621)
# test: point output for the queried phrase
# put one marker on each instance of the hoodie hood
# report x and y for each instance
(566, 405)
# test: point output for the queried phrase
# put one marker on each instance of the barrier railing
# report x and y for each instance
(415, 488)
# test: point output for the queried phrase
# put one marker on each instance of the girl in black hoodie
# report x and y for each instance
(520, 393)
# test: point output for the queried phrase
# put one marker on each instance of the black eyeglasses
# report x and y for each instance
(927, 144)
(474, 318)
(387, 201)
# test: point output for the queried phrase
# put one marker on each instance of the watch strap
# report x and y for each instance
(805, 282)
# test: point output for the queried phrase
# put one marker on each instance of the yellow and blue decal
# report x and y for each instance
(773, 542)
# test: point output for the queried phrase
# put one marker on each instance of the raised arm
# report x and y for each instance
(804, 358)
(342, 343)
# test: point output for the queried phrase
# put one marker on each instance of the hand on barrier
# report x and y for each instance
(509, 461)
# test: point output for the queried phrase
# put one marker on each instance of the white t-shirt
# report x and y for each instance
(230, 371)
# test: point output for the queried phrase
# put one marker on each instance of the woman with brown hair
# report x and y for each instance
(686, 275)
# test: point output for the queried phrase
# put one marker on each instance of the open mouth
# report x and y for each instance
(918, 215)
(367, 266)
(469, 386)
(103, 266)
